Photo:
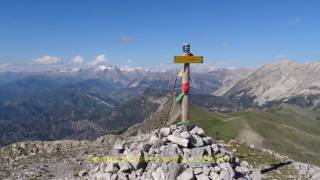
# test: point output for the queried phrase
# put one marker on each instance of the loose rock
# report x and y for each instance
(196, 141)
(164, 132)
(172, 153)
(186, 175)
(178, 140)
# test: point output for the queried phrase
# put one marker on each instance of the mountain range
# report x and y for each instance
(285, 81)
(87, 103)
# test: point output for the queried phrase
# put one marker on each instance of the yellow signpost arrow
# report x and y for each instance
(188, 59)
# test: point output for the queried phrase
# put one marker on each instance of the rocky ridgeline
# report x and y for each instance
(171, 153)
(39, 147)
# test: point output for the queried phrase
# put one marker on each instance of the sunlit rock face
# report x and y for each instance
(278, 82)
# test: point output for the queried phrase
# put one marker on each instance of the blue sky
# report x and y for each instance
(149, 32)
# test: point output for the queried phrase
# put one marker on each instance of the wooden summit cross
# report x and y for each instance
(186, 59)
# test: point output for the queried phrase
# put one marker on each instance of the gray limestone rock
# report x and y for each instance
(186, 175)
(132, 176)
(197, 130)
(111, 168)
(174, 170)
(196, 157)
(173, 127)
(114, 177)
(227, 167)
(196, 141)
(152, 166)
(102, 167)
(202, 177)
(144, 147)
(244, 163)
(184, 134)
(134, 157)
(164, 132)
(221, 153)
(215, 148)
(154, 139)
(125, 166)
(224, 175)
(176, 132)
(315, 176)
(206, 170)
(173, 153)
(159, 174)
(256, 174)
(119, 144)
(197, 170)
(214, 176)
(123, 176)
(242, 170)
(96, 169)
(169, 153)
(207, 140)
(83, 173)
(178, 140)
(208, 150)
(217, 169)
(139, 172)
(103, 176)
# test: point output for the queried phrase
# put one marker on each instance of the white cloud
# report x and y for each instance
(129, 61)
(98, 60)
(296, 20)
(47, 60)
(77, 60)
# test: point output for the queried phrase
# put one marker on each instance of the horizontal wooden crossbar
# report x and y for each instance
(188, 59)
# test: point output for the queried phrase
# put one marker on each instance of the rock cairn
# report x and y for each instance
(171, 153)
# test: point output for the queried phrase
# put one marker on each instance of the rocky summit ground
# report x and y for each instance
(172, 153)
(166, 153)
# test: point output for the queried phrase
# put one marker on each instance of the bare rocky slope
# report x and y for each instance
(159, 155)
(276, 82)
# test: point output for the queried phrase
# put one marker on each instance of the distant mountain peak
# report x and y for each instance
(277, 81)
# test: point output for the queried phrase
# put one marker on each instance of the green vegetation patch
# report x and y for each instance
(287, 129)
(214, 123)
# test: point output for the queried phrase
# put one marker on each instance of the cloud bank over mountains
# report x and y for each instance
(99, 60)
(77, 60)
(102, 61)
(47, 60)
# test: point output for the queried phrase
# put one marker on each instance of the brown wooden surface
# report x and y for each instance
(188, 59)
(185, 100)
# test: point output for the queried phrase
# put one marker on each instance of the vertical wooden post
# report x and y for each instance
(185, 100)
(185, 80)
(186, 59)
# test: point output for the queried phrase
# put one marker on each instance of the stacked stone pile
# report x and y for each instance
(172, 153)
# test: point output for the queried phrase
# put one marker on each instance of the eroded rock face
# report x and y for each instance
(172, 153)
